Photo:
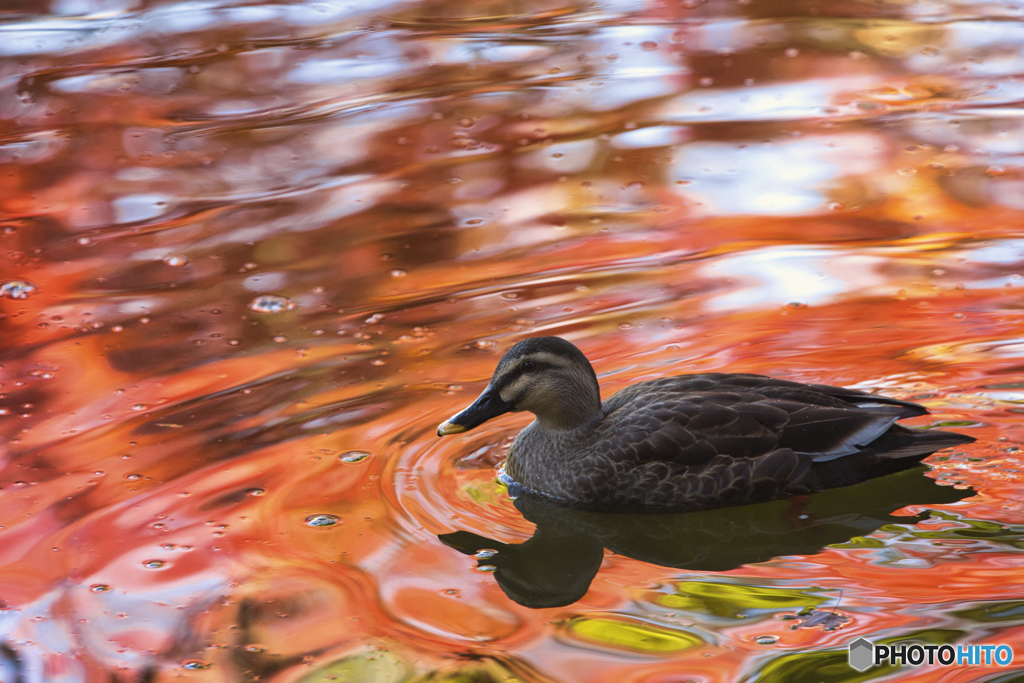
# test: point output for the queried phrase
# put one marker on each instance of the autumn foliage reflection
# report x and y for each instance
(240, 243)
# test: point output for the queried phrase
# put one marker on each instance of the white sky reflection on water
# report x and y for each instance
(785, 179)
(776, 102)
(778, 275)
(775, 276)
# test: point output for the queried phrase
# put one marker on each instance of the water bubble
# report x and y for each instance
(271, 303)
(84, 241)
(354, 456)
(195, 664)
(766, 640)
(322, 520)
(133, 477)
(509, 295)
(256, 492)
(280, 339)
(796, 304)
(626, 326)
(398, 272)
(486, 568)
(465, 122)
(995, 170)
(138, 407)
(17, 289)
(99, 588)
(154, 564)
(175, 260)
(485, 554)
(255, 648)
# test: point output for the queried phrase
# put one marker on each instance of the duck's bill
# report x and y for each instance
(448, 427)
(486, 406)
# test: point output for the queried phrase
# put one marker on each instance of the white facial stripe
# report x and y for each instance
(509, 392)
(518, 386)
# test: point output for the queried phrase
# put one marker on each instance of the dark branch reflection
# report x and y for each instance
(556, 566)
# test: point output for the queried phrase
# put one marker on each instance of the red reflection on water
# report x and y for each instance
(240, 243)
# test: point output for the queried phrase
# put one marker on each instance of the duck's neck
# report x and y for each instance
(578, 410)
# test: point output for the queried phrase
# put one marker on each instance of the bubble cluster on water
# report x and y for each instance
(17, 289)
(354, 456)
(271, 303)
(322, 520)
(176, 260)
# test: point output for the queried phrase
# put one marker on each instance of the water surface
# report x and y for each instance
(251, 254)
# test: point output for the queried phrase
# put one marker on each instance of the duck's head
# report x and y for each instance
(546, 376)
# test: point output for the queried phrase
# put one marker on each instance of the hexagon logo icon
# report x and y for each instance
(862, 654)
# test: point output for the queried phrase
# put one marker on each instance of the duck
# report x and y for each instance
(696, 441)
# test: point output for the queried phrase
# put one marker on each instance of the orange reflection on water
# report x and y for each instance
(252, 254)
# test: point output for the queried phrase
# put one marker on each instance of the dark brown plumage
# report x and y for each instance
(693, 441)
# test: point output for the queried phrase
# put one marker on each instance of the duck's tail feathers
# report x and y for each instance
(901, 442)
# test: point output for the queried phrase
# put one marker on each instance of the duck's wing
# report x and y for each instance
(767, 387)
(688, 421)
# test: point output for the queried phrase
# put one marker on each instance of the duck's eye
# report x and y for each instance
(528, 366)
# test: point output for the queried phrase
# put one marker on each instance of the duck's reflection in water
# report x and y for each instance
(554, 568)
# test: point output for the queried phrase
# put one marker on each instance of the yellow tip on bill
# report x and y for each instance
(446, 428)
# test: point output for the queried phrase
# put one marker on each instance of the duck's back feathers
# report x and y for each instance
(691, 419)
